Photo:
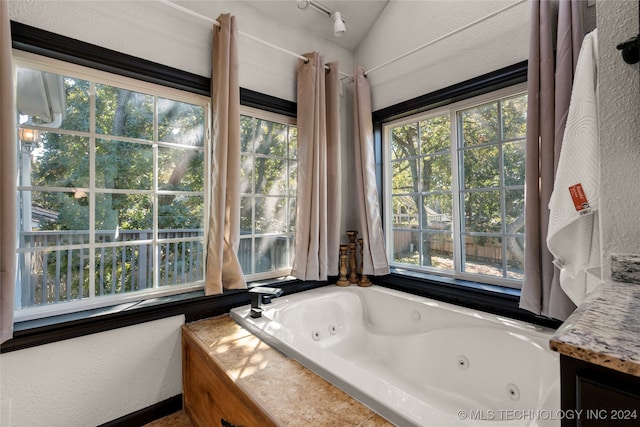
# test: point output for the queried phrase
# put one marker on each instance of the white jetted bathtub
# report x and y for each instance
(417, 361)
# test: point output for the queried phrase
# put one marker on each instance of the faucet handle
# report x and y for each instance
(267, 292)
(262, 295)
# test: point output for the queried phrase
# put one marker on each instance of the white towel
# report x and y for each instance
(573, 236)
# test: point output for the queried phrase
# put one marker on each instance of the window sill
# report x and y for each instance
(193, 305)
(493, 299)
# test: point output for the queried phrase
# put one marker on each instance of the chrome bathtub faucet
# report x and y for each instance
(262, 295)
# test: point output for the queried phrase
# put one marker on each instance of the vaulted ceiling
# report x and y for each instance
(359, 17)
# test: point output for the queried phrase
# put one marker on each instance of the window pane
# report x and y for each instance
(293, 142)
(53, 276)
(122, 112)
(404, 141)
(57, 161)
(270, 176)
(42, 210)
(293, 177)
(50, 99)
(123, 269)
(482, 212)
(245, 255)
(292, 215)
(480, 124)
(246, 173)
(481, 167)
(77, 105)
(515, 257)
(436, 173)
(271, 253)
(181, 262)
(435, 135)
(437, 249)
(180, 169)
(404, 176)
(438, 211)
(180, 212)
(271, 215)
(483, 255)
(271, 138)
(124, 216)
(180, 123)
(405, 211)
(248, 133)
(124, 165)
(513, 153)
(514, 211)
(514, 117)
(246, 215)
(406, 247)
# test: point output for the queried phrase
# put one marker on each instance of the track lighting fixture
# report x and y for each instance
(339, 27)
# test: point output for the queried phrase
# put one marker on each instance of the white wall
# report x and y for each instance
(619, 127)
(156, 32)
(94, 379)
(404, 25)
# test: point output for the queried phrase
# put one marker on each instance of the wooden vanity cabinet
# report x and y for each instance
(210, 396)
(593, 395)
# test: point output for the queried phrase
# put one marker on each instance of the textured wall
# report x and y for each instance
(404, 25)
(153, 31)
(619, 127)
(94, 379)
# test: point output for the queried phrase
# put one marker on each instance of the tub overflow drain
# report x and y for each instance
(462, 362)
(315, 334)
(513, 391)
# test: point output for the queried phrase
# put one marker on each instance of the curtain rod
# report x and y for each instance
(259, 40)
(449, 34)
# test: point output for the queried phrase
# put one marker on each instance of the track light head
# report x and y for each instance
(339, 28)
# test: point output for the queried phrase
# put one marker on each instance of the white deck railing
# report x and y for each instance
(55, 269)
(55, 265)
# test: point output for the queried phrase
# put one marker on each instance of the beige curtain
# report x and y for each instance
(374, 256)
(549, 93)
(8, 172)
(223, 267)
(334, 171)
(318, 197)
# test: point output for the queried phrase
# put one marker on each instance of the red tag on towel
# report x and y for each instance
(579, 198)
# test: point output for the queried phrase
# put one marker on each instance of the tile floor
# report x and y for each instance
(178, 419)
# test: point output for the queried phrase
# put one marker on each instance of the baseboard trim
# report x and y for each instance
(148, 414)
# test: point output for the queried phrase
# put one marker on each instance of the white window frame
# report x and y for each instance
(30, 60)
(282, 272)
(451, 109)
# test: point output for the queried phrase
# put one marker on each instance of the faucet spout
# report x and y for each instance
(262, 295)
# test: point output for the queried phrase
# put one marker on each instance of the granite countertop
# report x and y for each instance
(291, 394)
(604, 329)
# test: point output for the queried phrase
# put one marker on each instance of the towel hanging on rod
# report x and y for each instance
(573, 235)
